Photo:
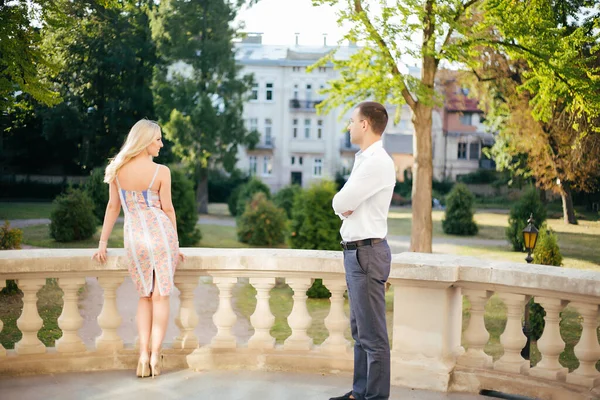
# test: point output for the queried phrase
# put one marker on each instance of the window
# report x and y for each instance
(295, 94)
(300, 160)
(474, 151)
(254, 95)
(295, 69)
(464, 91)
(462, 151)
(322, 69)
(308, 92)
(267, 166)
(318, 167)
(307, 128)
(293, 160)
(320, 129)
(268, 130)
(295, 128)
(252, 161)
(253, 124)
(466, 119)
(269, 92)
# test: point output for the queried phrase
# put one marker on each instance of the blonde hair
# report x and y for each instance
(140, 136)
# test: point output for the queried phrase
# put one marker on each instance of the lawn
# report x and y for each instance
(25, 210)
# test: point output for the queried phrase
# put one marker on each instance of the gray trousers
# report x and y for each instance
(367, 270)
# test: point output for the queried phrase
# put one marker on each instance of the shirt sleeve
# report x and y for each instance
(361, 185)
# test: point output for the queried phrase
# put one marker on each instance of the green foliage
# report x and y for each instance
(98, 191)
(201, 105)
(184, 202)
(458, 218)
(546, 250)
(10, 238)
(318, 290)
(479, 176)
(247, 192)
(314, 225)
(104, 58)
(221, 185)
(284, 198)
(32, 190)
(73, 217)
(536, 319)
(262, 223)
(528, 204)
(232, 201)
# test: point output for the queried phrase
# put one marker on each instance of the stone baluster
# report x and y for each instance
(2, 349)
(336, 321)
(299, 319)
(551, 343)
(187, 318)
(513, 338)
(588, 349)
(476, 334)
(262, 319)
(109, 319)
(70, 321)
(30, 321)
(224, 318)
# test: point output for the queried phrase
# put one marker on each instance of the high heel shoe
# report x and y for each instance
(143, 367)
(155, 364)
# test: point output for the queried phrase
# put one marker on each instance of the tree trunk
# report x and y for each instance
(202, 191)
(567, 202)
(422, 226)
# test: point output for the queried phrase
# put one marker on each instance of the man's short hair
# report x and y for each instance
(376, 114)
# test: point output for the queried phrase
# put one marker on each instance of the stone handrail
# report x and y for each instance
(427, 323)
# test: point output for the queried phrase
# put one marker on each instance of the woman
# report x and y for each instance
(150, 232)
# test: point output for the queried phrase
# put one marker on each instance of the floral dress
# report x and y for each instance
(150, 240)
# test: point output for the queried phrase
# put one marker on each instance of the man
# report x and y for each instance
(363, 205)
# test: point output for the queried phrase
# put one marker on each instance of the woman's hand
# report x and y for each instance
(100, 255)
(181, 257)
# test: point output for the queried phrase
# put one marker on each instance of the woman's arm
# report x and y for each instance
(164, 193)
(113, 209)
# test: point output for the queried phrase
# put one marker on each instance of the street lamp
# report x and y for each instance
(530, 235)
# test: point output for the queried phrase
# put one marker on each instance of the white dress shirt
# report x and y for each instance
(368, 193)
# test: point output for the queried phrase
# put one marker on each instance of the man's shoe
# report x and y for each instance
(344, 397)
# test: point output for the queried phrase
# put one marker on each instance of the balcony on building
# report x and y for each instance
(299, 105)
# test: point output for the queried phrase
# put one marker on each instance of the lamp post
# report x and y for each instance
(530, 235)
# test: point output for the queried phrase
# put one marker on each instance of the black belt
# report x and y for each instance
(358, 243)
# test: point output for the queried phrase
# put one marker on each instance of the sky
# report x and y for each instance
(279, 20)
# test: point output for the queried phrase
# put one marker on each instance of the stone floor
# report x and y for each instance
(187, 384)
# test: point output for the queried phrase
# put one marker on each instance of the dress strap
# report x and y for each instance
(154, 177)
(117, 180)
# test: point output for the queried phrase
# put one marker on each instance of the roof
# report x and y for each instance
(397, 143)
(282, 55)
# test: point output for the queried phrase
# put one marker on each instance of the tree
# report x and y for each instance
(198, 88)
(547, 109)
(106, 56)
(450, 31)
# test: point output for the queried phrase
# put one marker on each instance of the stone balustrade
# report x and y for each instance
(428, 340)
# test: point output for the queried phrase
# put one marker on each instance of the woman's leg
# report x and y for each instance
(160, 319)
(144, 324)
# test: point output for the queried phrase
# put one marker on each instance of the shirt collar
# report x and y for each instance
(369, 151)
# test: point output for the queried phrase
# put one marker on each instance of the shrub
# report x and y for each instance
(73, 217)
(232, 200)
(285, 198)
(529, 203)
(221, 185)
(262, 223)
(184, 202)
(247, 192)
(10, 238)
(546, 250)
(98, 192)
(315, 226)
(479, 176)
(458, 218)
